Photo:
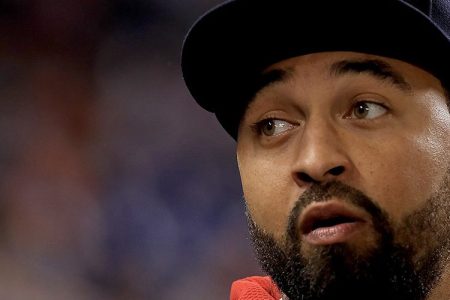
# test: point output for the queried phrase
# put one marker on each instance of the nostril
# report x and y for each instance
(337, 171)
(306, 178)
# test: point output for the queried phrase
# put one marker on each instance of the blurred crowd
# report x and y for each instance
(114, 183)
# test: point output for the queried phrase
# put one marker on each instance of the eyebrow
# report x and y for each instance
(375, 67)
(269, 78)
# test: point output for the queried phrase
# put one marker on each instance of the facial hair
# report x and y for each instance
(405, 262)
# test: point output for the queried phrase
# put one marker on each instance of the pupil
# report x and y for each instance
(362, 110)
(269, 128)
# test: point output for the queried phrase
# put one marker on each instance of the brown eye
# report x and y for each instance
(367, 110)
(271, 127)
(361, 110)
(268, 127)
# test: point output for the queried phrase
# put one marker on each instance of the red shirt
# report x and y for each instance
(255, 288)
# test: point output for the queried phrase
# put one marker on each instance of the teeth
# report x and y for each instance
(331, 222)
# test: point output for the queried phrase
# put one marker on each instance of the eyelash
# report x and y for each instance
(258, 127)
(362, 100)
(365, 101)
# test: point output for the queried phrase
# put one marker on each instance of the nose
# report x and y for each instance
(320, 156)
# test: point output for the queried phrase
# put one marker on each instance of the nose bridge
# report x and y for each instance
(321, 154)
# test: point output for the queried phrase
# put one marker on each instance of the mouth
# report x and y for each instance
(330, 222)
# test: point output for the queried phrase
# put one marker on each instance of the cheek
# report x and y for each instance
(267, 191)
(412, 169)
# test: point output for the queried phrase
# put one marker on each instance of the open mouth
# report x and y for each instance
(333, 221)
(329, 223)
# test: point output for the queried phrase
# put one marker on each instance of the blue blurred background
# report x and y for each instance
(114, 183)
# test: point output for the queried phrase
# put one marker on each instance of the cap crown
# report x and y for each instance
(437, 10)
(229, 47)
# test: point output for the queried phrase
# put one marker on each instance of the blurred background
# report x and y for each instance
(114, 183)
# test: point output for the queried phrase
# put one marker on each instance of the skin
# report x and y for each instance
(397, 155)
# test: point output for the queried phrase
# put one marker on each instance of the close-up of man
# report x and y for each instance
(341, 115)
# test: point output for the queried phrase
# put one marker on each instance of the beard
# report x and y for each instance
(405, 261)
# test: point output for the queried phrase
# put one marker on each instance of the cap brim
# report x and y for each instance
(232, 44)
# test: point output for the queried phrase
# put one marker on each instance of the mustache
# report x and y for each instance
(345, 193)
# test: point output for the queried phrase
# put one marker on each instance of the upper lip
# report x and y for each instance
(324, 214)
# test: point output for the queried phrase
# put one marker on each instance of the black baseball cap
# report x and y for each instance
(227, 49)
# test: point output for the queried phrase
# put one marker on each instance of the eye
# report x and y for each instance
(366, 110)
(272, 127)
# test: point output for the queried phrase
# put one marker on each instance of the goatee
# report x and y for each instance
(395, 267)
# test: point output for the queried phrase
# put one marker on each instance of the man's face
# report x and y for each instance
(345, 166)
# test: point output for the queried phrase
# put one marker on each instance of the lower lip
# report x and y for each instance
(334, 234)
